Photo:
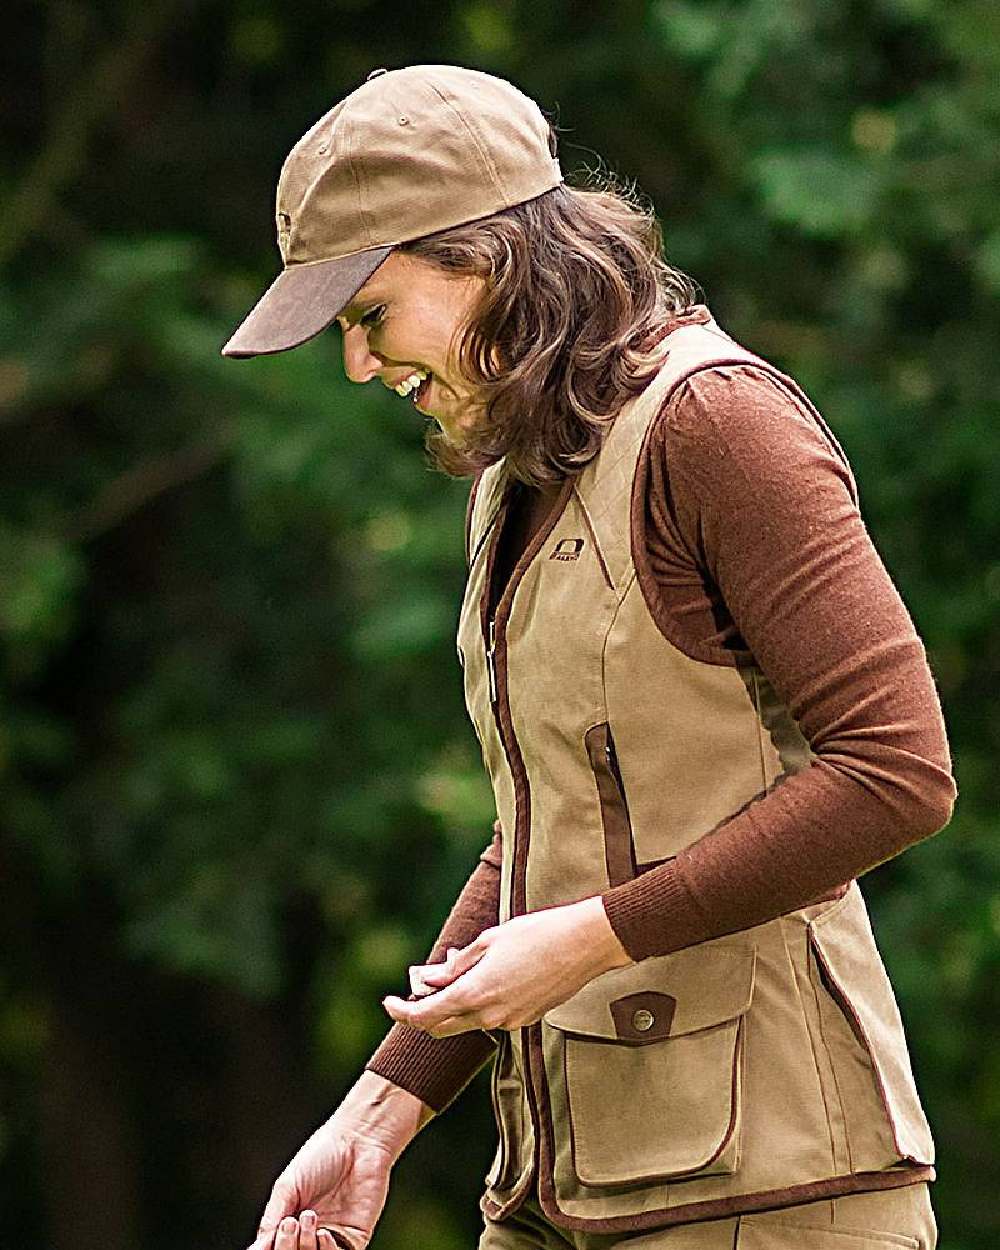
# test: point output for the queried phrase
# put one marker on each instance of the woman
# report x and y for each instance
(702, 704)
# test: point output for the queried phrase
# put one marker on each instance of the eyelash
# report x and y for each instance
(373, 316)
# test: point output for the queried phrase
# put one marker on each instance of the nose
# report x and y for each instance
(359, 364)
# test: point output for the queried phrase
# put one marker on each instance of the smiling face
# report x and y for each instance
(402, 327)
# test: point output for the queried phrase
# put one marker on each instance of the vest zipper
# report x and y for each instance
(530, 1035)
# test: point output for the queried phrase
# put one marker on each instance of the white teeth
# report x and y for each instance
(411, 383)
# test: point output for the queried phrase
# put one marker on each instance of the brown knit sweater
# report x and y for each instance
(753, 545)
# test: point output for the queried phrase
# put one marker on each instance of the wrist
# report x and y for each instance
(598, 938)
(381, 1113)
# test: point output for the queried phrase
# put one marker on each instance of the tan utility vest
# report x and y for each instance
(753, 1071)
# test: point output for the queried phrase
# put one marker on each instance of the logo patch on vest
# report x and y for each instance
(567, 549)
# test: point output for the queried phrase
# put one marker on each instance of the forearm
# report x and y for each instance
(813, 833)
(383, 1113)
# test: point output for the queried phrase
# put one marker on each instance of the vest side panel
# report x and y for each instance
(689, 745)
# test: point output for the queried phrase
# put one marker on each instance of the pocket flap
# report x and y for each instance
(665, 996)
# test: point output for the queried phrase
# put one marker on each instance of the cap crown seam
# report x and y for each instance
(484, 153)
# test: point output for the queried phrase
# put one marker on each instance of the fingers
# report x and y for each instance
(303, 1233)
(459, 1002)
(291, 1234)
(426, 978)
(460, 961)
(443, 1009)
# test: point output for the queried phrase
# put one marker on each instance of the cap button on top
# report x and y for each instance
(376, 73)
(643, 1020)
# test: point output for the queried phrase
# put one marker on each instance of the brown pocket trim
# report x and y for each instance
(876, 1025)
(619, 852)
(844, 1005)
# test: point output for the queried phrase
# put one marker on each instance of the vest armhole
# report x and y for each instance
(667, 625)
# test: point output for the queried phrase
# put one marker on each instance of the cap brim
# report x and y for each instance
(301, 302)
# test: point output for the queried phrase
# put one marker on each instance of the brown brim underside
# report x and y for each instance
(301, 302)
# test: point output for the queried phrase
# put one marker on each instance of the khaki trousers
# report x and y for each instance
(888, 1219)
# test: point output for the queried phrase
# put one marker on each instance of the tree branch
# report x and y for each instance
(136, 487)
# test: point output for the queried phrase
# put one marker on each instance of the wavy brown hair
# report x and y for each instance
(577, 296)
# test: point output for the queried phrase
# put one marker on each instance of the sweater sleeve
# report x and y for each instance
(436, 1069)
(750, 484)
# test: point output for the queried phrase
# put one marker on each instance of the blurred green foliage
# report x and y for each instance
(237, 788)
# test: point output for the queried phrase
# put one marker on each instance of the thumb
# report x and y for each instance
(427, 977)
(460, 961)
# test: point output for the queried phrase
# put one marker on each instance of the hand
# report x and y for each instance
(334, 1185)
(513, 973)
(332, 1192)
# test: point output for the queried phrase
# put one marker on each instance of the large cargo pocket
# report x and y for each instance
(652, 1058)
(864, 1035)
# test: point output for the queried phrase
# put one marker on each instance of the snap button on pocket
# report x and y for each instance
(643, 1020)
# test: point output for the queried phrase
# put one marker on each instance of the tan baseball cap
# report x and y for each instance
(409, 152)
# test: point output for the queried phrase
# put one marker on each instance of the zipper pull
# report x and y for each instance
(491, 667)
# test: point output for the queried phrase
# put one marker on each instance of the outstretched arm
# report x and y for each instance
(332, 1191)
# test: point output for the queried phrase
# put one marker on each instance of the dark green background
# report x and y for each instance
(237, 787)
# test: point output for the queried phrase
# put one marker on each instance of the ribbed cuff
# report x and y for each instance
(433, 1069)
(655, 914)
